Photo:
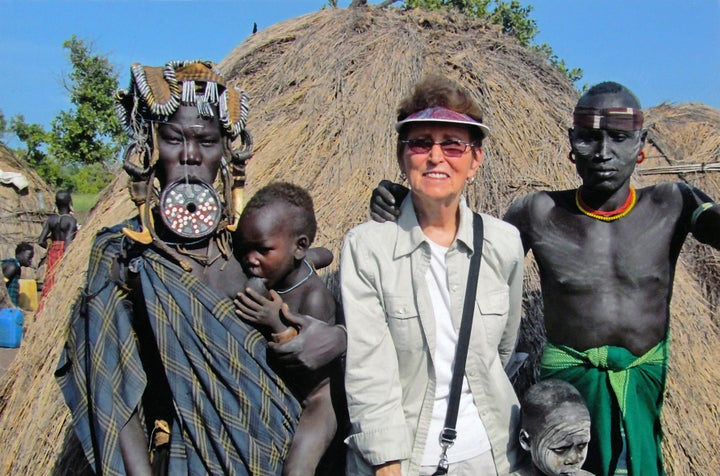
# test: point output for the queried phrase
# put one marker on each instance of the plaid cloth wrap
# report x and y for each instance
(13, 285)
(233, 415)
(619, 388)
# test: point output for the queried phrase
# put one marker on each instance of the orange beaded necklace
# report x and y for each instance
(609, 215)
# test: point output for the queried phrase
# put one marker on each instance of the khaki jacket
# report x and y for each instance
(390, 380)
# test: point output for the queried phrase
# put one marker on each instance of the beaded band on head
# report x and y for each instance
(154, 94)
(618, 118)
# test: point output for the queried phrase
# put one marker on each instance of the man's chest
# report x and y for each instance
(582, 252)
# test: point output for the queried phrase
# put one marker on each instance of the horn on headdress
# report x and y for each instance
(238, 164)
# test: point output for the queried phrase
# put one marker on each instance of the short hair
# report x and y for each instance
(542, 398)
(63, 197)
(437, 90)
(611, 87)
(24, 246)
(303, 222)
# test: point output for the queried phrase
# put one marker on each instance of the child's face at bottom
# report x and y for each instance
(267, 246)
(560, 447)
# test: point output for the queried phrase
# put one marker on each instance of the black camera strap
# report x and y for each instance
(448, 434)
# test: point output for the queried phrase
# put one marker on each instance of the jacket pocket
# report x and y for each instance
(494, 307)
(403, 322)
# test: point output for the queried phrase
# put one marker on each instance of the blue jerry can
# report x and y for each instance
(11, 327)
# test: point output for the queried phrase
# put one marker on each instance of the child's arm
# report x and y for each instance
(316, 344)
(259, 310)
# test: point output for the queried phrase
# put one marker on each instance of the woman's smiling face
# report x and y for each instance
(433, 175)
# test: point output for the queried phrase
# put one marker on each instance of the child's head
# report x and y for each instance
(275, 230)
(24, 253)
(555, 427)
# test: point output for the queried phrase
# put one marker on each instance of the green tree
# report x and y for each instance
(36, 138)
(79, 152)
(515, 20)
(89, 133)
(573, 74)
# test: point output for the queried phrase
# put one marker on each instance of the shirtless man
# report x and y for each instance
(607, 253)
(60, 227)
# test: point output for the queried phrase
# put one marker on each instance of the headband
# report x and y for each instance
(155, 93)
(618, 118)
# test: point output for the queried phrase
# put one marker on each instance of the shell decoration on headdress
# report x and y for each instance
(154, 94)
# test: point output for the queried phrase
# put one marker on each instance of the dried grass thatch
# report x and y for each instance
(22, 211)
(324, 88)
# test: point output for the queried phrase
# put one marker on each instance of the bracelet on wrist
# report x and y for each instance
(284, 336)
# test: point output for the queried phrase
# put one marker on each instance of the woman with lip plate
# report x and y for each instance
(403, 289)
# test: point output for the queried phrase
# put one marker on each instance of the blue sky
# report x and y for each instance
(661, 49)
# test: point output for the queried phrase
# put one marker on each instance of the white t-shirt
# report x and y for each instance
(472, 438)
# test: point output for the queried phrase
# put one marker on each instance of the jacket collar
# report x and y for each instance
(413, 237)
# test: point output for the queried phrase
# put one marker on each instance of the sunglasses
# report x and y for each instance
(450, 148)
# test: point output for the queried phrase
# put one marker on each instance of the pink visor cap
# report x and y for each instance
(442, 114)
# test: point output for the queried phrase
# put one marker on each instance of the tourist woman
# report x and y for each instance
(403, 289)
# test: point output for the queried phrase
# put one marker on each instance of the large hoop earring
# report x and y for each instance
(571, 156)
(641, 157)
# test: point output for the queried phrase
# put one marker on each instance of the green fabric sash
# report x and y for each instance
(619, 388)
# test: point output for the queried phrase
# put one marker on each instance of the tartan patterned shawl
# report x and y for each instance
(233, 415)
(13, 285)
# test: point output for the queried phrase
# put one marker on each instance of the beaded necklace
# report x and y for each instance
(296, 285)
(610, 215)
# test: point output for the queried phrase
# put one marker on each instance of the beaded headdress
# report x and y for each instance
(154, 95)
(156, 92)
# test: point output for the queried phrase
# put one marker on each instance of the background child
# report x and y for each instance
(274, 235)
(12, 269)
(555, 428)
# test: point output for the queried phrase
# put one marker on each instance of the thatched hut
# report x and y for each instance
(324, 88)
(25, 201)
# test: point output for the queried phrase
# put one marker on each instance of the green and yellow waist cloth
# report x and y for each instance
(624, 394)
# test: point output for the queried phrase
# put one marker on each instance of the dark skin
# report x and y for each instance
(192, 146)
(609, 283)
(11, 269)
(60, 226)
(270, 249)
(604, 283)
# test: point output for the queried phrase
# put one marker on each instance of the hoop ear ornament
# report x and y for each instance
(237, 165)
(641, 157)
(571, 156)
(135, 163)
(470, 180)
